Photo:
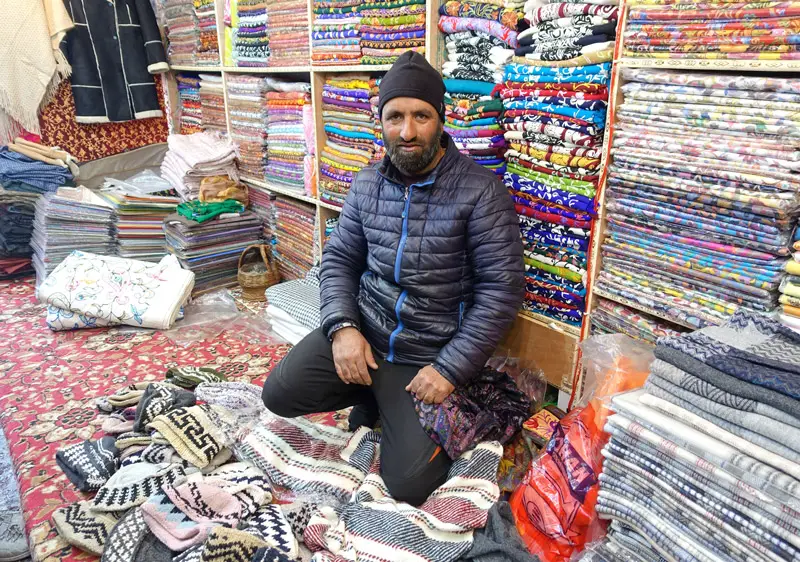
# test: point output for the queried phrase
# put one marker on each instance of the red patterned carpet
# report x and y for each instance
(49, 381)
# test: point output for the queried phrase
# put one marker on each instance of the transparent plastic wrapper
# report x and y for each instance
(605, 550)
(554, 508)
(530, 380)
(205, 318)
(143, 183)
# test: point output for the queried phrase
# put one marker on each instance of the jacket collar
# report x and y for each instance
(389, 171)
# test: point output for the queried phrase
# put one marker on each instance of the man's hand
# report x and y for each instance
(430, 387)
(351, 356)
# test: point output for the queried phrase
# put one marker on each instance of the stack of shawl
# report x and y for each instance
(191, 112)
(212, 102)
(295, 227)
(389, 28)
(211, 249)
(702, 193)
(610, 317)
(247, 111)
(350, 135)
(183, 32)
(251, 45)
(790, 288)
(287, 26)
(16, 227)
(335, 36)
(704, 462)
(208, 51)
(24, 174)
(374, 99)
(262, 203)
(294, 306)
(289, 108)
(713, 30)
(190, 158)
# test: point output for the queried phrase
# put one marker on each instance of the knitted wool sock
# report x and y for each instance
(220, 460)
(127, 396)
(269, 554)
(190, 377)
(231, 395)
(132, 485)
(132, 451)
(298, 514)
(83, 528)
(246, 482)
(191, 432)
(133, 438)
(131, 540)
(231, 545)
(203, 502)
(89, 464)
(270, 525)
(158, 399)
(118, 423)
(171, 526)
(190, 555)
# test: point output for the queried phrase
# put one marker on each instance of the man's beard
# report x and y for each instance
(412, 163)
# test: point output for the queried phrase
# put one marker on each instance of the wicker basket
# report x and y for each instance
(256, 276)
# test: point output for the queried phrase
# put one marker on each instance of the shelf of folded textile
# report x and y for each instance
(247, 39)
(291, 143)
(388, 28)
(335, 32)
(280, 190)
(247, 121)
(705, 458)
(212, 102)
(610, 317)
(182, 31)
(299, 69)
(717, 65)
(352, 68)
(208, 50)
(687, 33)
(17, 211)
(789, 299)
(191, 111)
(208, 239)
(702, 194)
(295, 237)
(190, 158)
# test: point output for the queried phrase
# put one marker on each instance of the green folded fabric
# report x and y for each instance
(199, 211)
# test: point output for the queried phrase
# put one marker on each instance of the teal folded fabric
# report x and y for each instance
(469, 87)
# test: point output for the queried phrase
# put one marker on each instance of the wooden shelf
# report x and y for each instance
(353, 68)
(267, 69)
(280, 190)
(329, 206)
(641, 308)
(209, 68)
(712, 64)
(544, 321)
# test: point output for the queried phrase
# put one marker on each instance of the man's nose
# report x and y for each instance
(409, 131)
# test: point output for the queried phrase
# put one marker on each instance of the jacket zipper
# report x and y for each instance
(397, 262)
(460, 314)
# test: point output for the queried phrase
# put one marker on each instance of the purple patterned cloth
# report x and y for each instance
(489, 408)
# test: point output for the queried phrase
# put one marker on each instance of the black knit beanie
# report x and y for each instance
(412, 77)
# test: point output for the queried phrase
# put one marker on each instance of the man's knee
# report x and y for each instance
(415, 487)
(278, 399)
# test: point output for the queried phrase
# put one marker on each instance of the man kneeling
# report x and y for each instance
(419, 282)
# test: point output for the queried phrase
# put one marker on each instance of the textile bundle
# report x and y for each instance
(247, 112)
(251, 42)
(348, 114)
(208, 49)
(293, 309)
(702, 194)
(290, 134)
(262, 203)
(610, 317)
(713, 30)
(22, 173)
(87, 291)
(702, 463)
(554, 99)
(70, 219)
(295, 237)
(191, 112)
(336, 32)
(16, 227)
(287, 27)
(790, 289)
(183, 33)
(330, 226)
(141, 204)
(190, 158)
(388, 28)
(211, 249)
(212, 102)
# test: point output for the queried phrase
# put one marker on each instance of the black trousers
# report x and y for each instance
(305, 382)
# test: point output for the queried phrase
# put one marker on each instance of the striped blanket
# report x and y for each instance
(366, 523)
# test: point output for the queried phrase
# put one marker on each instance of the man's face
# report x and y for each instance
(412, 133)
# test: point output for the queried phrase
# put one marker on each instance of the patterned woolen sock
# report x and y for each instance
(191, 432)
(89, 464)
(231, 545)
(82, 528)
(130, 540)
(190, 377)
(131, 485)
(171, 526)
(270, 525)
(159, 398)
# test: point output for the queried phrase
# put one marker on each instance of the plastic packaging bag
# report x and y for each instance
(530, 380)
(554, 509)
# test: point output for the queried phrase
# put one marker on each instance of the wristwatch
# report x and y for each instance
(340, 326)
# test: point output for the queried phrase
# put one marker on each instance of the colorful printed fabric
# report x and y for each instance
(464, 9)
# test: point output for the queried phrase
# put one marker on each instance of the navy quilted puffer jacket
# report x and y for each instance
(431, 273)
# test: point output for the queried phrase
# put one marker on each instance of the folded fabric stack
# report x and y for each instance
(72, 218)
(208, 49)
(211, 249)
(16, 227)
(191, 111)
(330, 226)
(703, 463)
(140, 208)
(389, 28)
(712, 30)
(335, 36)
(247, 111)
(212, 102)
(294, 234)
(471, 119)
(21, 173)
(350, 135)
(610, 317)
(702, 193)
(294, 306)
(790, 288)
(287, 26)
(290, 116)
(190, 158)
(379, 149)
(183, 32)
(251, 41)
(262, 203)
